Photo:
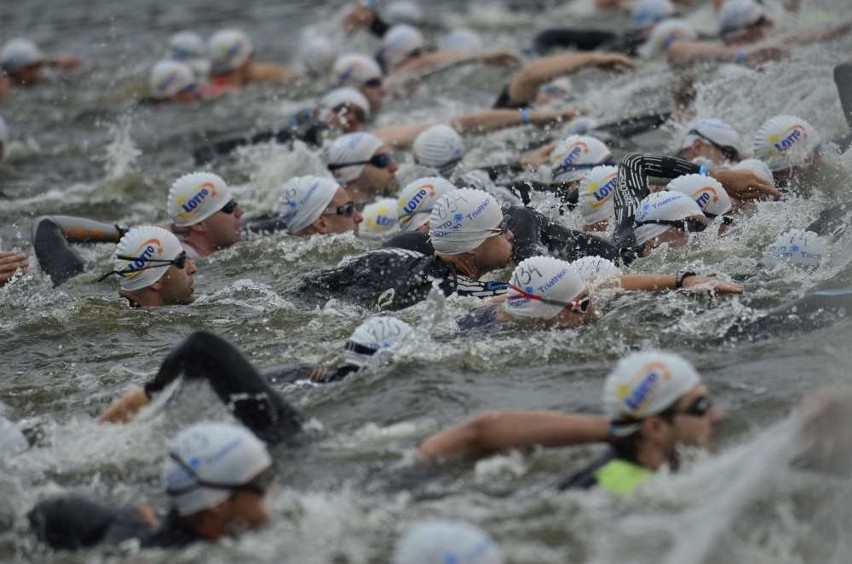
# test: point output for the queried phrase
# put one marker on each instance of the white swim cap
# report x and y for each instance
(355, 70)
(196, 196)
(785, 141)
(229, 49)
(804, 249)
(317, 54)
(662, 206)
(462, 220)
(4, 133)
(403, 12)
(142, 256)
(575, 155)
(169, 78)
(187, 45)
(595, 269)
(12, 440)
(379, 218)
(398, 43)
(545, 278)
(739, 14)
(351, 148)
(758, 167)
(644, 384)
(303, 199)
(707, 192)
(715, 132)
(646, 12)
(19, 53)
(446, 542)
(214, 453)
(416, 200)
(596, 193)
(340, 96)
(461, 39)
(664, 34)
(374, 341)
(439, 146)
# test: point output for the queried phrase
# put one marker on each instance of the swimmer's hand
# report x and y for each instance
(126, 407)
(359, 17)
(10, 263)
(745, 185)
(709, 283)
(540, 156)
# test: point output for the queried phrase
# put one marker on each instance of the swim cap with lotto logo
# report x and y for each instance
(374, 341)
(647, 12)
(18, 54)
(196, 196)
(662, 206)
(439, 146)
(213, 453)
(416, 200)
(575, 155)
(343, 96)
(142, 255)
(596, 193)
(229, 49)
(594, 269)
(462, 220)
(714, 131)
(739, 14)
(446, 542)
(355, 70)
(707, 192)
(169, 78)
(644, 384)
(665, 34)
(352, 148)
(399, 42)
(804, 249)
(785, 141)
(303, 199)
(461, 39)
(544, 277)
(379, 218)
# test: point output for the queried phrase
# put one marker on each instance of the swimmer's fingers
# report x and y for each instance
(745, 185)
(126, 407)
(10, 263)
(540, 156)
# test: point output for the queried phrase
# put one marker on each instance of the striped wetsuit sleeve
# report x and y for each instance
(632, 187)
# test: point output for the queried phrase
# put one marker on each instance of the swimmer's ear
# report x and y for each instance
(320, 225)
(654, 427)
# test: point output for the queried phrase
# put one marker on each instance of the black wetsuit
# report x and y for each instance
(52, 238)
(589, 40)
(484, 319)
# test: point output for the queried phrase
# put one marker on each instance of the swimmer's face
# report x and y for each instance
(378, 181)
(374, 91)
(701, 148)
(177, 285)
(675, 236)
(348, 118)
(570, 317)
(223, 229)
(694, 429)
(339, 222)
(495, 252)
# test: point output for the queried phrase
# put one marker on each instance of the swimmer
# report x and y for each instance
(364, 166)
(216, 477)
(172, 81)
(594, 198)
(710, 196)
(789, 146)
(646, 418)
(312, 205)
(711, 141)
(232, 64)
(22, 62)
(188, 47)
(444, 542)
(203, 214)
(380, 219)
(363, 73)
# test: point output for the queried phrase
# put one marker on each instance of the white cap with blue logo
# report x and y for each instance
(374, 341)
(399, 42)
(196, 196)
(169, 78)
(804, 249)
(541, 287)
(462, 220)
(785, 141)
(714, 131)
(444, 542)
(739, 14)
(575, 155)
(439, 146)
(379, 218)
(228, 50)
(19, 53)
(416, 200)
(707, 192)
(662, 206)
(355, 70)
(352, 148)
(143, 256)
(594, 269)
(303, 199)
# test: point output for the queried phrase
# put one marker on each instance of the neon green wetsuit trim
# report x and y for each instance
(621, 477)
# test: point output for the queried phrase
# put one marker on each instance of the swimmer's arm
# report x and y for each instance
(441, 60)
(491, 120)
(658, 282)
(272, 72)
(524, 86)
(683, 52)
(815, 35)
(744, 184)
(10, 263)
(65, 62)
(401, 135)
(496, 431)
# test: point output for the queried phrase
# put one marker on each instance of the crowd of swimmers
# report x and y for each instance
(447, 232)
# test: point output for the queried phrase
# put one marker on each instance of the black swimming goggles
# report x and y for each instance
(382, 160)
(562, 169)
(358, 348)
(230, 207)
(580, 306)
(346, 210)
(373, 83)
(727, 151)
(698, 408)
(690, 224)
(259, 485)
(179, 262)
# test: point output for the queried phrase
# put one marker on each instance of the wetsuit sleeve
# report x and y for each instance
(534, 233)
(379, 27)
(52, 238)
(71, 522)
(237, 383)
(632, 187)
(580, 39)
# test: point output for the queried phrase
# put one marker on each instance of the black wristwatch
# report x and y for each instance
(681, 276)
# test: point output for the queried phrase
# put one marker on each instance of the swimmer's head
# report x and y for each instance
(363, 164)
(380, 218)
(399, 44)
(19, 54)
(172, 80)
(664, 35)
(317, 55)
(402, 12)
(667, 217)
(464, 219)
(595, 198)
(442, 542)
(229, 49)
(549, 290)
(758, 167)
(595, 270)
(195, 197)
(712, 139)
(737, 16)
(648, 12)
(660, 395)
(312, 205)
(803, 249)
(375, 341)
(439, 146)
(187, 45)
(416, 200)
(345, 108)
(461, 39)
(786, 144)
(361, 72)
(220, 472)
(576, 155)
(707, 192)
